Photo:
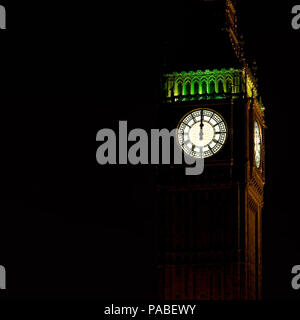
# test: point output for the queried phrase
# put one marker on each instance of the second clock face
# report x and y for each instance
(257, 144)
(202, 133)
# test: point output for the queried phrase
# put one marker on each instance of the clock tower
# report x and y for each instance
(210, 225)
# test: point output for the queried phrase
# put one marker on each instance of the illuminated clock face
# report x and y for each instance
(257, 144)
(202, 133)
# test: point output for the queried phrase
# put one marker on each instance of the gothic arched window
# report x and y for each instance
(203, 87)
(228, 86)
(179, 88)
(187, 88)
(220, 87)
(212, 87)
(196, 87)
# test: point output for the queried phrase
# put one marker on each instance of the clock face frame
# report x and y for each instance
(257, 144)
(214, 133)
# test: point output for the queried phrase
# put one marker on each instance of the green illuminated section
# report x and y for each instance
(189, 85)
(209, 84)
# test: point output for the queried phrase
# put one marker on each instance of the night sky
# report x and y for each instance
(71, 229)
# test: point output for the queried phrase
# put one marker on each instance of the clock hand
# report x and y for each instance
(201, 126)
(201, 134)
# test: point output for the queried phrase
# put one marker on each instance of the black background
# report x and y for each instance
(70, 230)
